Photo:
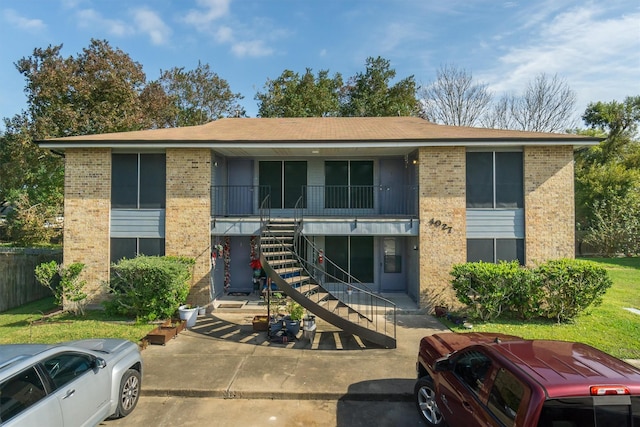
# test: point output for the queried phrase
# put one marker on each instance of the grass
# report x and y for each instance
(608, 327)
(25, 324)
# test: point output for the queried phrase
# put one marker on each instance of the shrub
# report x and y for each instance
(149, 288)
(570, 286)
(69, 292)
(488, 289)
(559, 289)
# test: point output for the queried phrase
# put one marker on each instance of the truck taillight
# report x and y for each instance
(605, 390)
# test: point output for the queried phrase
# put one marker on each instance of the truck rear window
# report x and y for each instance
(598, 411)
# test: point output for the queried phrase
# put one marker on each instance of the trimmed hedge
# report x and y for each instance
(149, 287)
(558, 289)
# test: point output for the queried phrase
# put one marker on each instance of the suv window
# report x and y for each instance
(597, 411)
(506, 396)
(472, 368)
(65, 367)
(19, 392)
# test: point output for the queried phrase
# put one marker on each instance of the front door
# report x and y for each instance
(392, 265)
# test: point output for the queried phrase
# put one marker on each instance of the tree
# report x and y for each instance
(454, 99)
(96, 92)
(308, 96)
(619, 121)
(547, 105)
(198, 96)
(368, 94)
(607, 178)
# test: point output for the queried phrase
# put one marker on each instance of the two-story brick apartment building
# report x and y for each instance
(393, 201)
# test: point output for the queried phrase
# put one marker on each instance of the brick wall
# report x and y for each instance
(549, 203)
(87, 205)
(188, 214)
(442, 198)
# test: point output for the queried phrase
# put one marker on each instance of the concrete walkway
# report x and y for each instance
(223, 357)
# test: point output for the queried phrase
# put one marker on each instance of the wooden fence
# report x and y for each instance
(18, 284)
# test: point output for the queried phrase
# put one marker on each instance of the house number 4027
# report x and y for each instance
(439, 224)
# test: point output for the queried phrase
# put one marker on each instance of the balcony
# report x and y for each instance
(317, 200)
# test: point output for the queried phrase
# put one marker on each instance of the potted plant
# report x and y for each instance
(292, 321)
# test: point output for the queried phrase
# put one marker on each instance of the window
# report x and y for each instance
(494, 180)
(20, 392)
(495, 250)
(65, 367)
(472, 368)
(133, 246)
(623, 411)
(392, 257)
(353, 254)
(283, 181)
(138, 181)
(505, 397)
(348, 184)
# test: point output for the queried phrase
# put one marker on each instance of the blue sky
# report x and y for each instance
(593, 45)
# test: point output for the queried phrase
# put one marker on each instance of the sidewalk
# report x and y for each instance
(223, 357)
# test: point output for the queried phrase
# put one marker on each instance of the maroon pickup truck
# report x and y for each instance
(485, 379)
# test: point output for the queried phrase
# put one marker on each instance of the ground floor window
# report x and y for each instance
(131, 247)
(353, 254)
(495, 250)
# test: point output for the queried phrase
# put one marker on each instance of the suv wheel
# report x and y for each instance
(425, 396)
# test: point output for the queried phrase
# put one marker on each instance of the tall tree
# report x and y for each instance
(96, 92)
(608, 178)
(547, 105)
(369, 93)
(454, 99)
(199, 96)
(619, 121)
(291, 95)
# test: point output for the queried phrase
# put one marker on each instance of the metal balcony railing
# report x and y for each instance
(319, 200)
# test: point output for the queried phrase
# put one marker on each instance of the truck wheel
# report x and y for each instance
(129, 393)
(425, 396)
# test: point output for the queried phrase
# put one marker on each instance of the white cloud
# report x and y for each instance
(14, 19)
(89, 18)
(253, 48)
(210, 11)
(598, 55)
(148, 22)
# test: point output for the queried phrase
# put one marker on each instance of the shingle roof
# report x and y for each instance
(323, 129)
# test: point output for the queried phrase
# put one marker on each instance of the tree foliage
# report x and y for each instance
(197, 96)
(292, 95)
(454, 99)
(369, 93)
(608, 178)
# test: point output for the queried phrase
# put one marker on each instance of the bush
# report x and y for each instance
(489, 289)
(559, 289)
(68, 290)
(570, 286)
(149, 288)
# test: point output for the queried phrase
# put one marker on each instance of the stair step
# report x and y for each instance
(288, 270)
(296, 279)
(275, 245)
(282, 261)
(332, 305)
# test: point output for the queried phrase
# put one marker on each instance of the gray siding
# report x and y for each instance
(495, 223)
(137, 223)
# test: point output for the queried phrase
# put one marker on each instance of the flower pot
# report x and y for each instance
(188, 314)
(292, 326)
(202, 311)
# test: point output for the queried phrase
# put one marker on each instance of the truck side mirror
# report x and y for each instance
(442, 364)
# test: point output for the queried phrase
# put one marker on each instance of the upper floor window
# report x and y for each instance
(348, 184)
(495, 180)
(138, 181)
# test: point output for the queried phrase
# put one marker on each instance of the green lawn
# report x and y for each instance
(608, 327)
(24, 324)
